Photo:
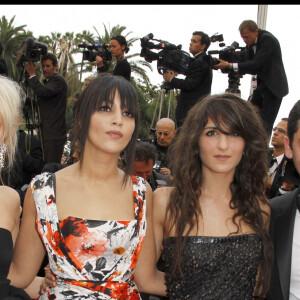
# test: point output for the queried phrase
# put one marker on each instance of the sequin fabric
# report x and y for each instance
(91, 259)
(213, 267)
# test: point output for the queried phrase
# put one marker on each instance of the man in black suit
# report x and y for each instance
(262, 57)
(144, 159)
(283, 175)
(197, 83)
(285, 224)
(52, 100)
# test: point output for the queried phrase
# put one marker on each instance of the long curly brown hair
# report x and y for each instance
(230, 114)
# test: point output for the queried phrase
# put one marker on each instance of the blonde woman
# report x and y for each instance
(10, 108)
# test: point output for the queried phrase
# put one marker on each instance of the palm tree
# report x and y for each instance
(11, 40)
(86, 37)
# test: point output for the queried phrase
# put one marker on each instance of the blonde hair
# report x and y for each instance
(10, 115)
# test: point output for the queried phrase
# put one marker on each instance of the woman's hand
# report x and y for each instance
(49, 281)
(99, 61)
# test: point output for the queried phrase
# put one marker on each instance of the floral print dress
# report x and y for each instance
(91, 259)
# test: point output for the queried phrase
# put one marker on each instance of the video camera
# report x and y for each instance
(229, 53)
(33, 50)
(171, 57)
(94, 50)
(232, 56)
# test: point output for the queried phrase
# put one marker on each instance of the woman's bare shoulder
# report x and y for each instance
(10, 208)
(162, 194)
(9, 196)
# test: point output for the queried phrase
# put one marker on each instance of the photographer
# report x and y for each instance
(198, 80)
(52, 100)
(144, 158)
(118, 47)
(262, 56)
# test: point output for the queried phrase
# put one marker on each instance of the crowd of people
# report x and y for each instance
(204, 210)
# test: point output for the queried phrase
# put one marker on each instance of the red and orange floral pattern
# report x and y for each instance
(91, 259)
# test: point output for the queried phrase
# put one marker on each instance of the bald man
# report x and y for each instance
(165, 132)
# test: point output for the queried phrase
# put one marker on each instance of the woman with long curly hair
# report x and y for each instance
(213, 222)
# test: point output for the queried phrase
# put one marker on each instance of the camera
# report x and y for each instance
(232, 56)
(94, 50)
(157, 166)
(33, 50)
(228, 54)
(171, 57)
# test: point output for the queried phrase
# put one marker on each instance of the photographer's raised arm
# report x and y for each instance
(268, 47)
(46, 91)
(30, 68)
(101, 67)
(54, 85)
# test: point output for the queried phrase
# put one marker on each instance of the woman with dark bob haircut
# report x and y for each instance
(213, 223)
(91, 216)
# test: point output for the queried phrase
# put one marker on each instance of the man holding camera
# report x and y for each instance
(262, 57)
(52, 101)
(144, 159)
(198, 80)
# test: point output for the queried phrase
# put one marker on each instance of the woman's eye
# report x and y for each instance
(234, 134)
(211, 133)
(104, 108)
(128, 114)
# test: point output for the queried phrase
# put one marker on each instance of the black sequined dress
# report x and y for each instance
(213, 267)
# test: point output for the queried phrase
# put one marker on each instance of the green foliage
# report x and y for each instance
(11, 40)
(149, 101)
(65, 47)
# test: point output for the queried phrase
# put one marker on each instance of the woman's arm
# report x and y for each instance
(33, 290)
(160, 201)
(29, 249)
(146, 276)
(10, 210)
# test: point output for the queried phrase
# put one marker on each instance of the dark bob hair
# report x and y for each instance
(99, 91)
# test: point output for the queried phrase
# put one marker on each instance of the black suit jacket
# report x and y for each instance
(283, 212)
(195, 86)
(286, 172)
(267, 64)
(52, 99)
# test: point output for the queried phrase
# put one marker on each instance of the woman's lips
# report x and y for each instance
(222, 157)
(115, 134)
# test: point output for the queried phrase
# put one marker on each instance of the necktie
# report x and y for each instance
(298, 202)
(273, 160)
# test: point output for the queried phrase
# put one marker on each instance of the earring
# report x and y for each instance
(3, 149)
